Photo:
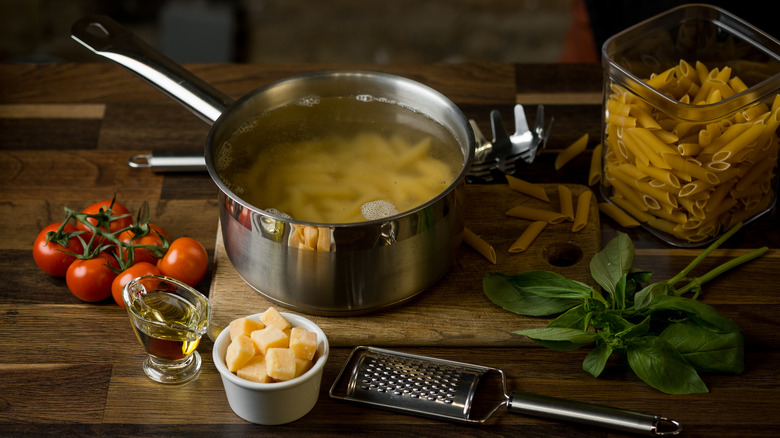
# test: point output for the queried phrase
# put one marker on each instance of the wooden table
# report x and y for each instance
(72, 368)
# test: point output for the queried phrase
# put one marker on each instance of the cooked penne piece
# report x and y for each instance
(536, 214)
(480, 245)
(527, 188)
(527, 238)
(571, 151)
(567, 201)
(583, 211)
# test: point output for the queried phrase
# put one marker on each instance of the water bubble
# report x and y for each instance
(378, 209)
(309, 101)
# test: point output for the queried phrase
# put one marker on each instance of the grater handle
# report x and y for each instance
(591, 414)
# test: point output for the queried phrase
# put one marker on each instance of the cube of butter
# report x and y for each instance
(269, 337)
(280, 363)
(239, 352)
(272, 317)
(255, 370)
(244, 326)
(303, 342)
(301, 366)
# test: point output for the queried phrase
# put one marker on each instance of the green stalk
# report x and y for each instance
(721, 269)
(684, 273)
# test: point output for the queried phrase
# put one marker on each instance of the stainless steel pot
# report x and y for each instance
(370, 265)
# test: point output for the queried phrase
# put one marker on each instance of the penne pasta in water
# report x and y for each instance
(685, 178)
(324, 174)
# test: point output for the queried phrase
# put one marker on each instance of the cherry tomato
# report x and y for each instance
(115, 225)
(135, 271)
(186, 261)
(151, 238)
(49, 256)
(90, 280)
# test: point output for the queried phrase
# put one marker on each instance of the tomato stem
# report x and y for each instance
(123, 252)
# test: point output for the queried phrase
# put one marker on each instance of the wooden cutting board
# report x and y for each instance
(455, 311)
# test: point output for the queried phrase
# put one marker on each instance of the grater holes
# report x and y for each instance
(410, 378)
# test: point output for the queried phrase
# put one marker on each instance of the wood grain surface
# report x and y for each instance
(454, 312)
(70, 368)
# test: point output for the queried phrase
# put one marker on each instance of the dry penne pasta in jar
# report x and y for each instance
(691, 116)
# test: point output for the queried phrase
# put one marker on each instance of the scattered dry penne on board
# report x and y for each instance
(536, 214)
(528, 236)
(571, 151)
(691, 179)
(566, 200)
(582, 212)
(480, 245)
(527, 188)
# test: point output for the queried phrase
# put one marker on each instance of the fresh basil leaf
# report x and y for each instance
(703, 314)
(503, 292)
(706, 350)
(550, 284)
(559, 338)
(596, 360)
(609, 265)
(619, 294)
(636, 330)
(634, 282)
(576, 318)
(612, 323)
(661, 366)
(644, 297)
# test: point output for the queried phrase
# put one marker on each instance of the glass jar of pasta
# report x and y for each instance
(691, 113)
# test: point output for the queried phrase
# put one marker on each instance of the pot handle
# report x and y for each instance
(111, 40)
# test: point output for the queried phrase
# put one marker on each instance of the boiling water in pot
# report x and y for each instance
(323, 159)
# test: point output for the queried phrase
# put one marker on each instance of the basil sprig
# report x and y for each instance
(667, 338)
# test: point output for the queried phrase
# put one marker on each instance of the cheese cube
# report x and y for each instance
(280, 363)
(301, 366)
(255, 370)
(272, 317)
(269, 337)
(303, 342)
(244, 326)
(239, 352)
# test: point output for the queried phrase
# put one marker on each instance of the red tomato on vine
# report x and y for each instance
(156, 236)
(90, 280)
(186, 261)
(135, 271)
(50, 256)
(110, 216)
